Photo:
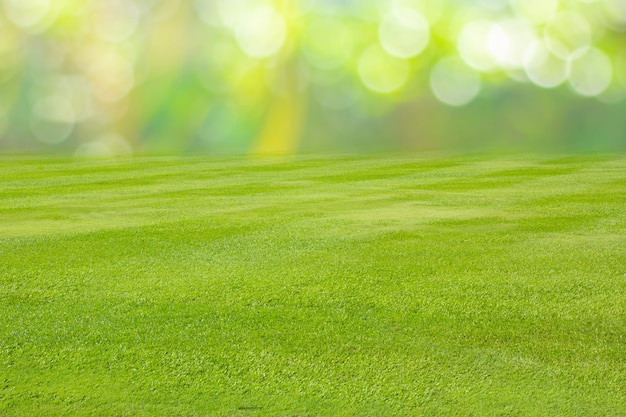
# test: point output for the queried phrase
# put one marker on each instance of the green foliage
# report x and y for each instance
(345, 286)
(115, 77)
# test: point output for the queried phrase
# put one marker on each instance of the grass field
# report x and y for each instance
(343, 286)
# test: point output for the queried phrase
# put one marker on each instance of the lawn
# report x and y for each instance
(467, 285)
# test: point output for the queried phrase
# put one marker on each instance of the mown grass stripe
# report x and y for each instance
(389, 285)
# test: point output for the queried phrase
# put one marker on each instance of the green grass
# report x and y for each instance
(343, 286)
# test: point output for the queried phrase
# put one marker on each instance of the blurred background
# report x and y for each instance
(109, 77)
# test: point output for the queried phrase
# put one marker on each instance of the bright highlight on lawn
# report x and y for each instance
(342, 286)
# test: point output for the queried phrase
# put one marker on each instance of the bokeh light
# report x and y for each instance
(116, 20)
(453, 82)
(261, 31)
(568, 34)
(404, 32)
(91, 77)
(616, 13)
(27, 14)
(472, 45)
(507, 42)
(327, 43)
(543, 67)
(591, 73)
(381, 72)
(535, 11)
